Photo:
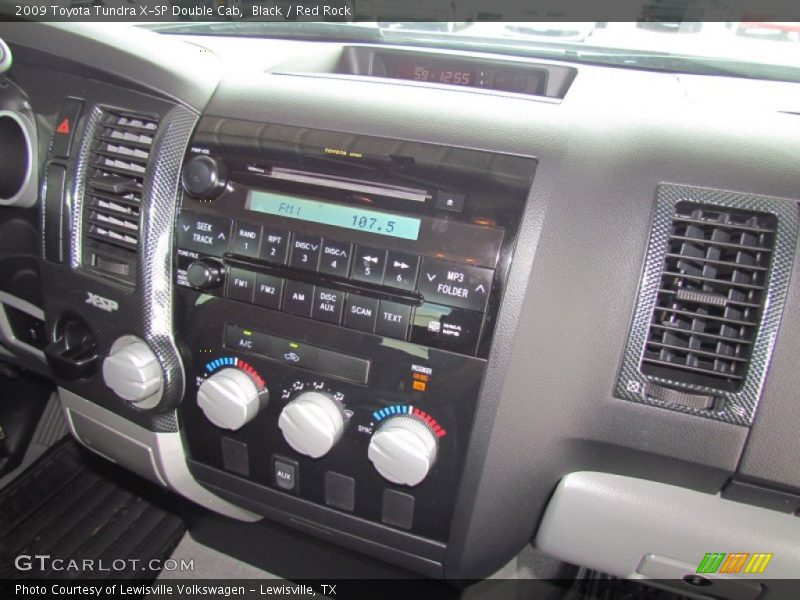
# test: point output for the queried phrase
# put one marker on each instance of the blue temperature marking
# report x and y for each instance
(397, 409)
(219, 362)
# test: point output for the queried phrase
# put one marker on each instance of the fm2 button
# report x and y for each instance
(453, 284)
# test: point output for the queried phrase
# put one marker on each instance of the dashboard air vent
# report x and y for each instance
(710, 297)
(115, 179)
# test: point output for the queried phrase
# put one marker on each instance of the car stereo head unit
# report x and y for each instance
(338, 296)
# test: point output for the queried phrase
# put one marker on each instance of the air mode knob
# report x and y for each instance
(205, 273)
(403, 450)
(133, 372)
(312, 423)
(204, 177)
(230, 398)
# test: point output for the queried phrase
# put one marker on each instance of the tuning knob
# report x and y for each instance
(230, 398)
(205, 273)
(204, 177)
(133, 372)
(403, 450)
(312, 423)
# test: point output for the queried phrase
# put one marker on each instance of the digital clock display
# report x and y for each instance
(337, 215)
(433, 73)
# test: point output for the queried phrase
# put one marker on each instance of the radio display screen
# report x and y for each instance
(337, 215)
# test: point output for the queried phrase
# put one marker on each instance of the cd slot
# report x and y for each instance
(342, 183)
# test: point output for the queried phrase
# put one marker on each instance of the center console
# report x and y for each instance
(338, 296)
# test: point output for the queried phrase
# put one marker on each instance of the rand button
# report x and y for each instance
(246, 239)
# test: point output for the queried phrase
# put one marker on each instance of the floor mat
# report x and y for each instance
(91, 519)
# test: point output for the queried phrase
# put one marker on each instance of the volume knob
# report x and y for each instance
(312, 423)
(204, 177)
(230, 398)
(403, 450)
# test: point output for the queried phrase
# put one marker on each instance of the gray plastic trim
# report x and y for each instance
(7, 334)
(612, 522)
(163, 460)
(162, 64)
(739, 407)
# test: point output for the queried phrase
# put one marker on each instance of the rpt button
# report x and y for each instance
(453, 284)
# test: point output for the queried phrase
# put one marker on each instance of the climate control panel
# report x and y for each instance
(384, 425)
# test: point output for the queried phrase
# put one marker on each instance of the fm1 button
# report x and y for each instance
(241, 284)
(285, 472)
(453, 284)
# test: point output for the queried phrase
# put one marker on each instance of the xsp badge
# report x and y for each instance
(101, 303)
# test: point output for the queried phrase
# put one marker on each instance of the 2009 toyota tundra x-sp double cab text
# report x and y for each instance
(438, 302)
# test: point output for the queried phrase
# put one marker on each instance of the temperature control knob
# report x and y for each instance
(205, 273)
(133, 372)
(230, 398)
(403, 450)
(204, 177)
(312, 423)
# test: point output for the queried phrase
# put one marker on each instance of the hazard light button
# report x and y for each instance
(65, 125)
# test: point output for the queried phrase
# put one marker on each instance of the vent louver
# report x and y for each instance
(115, 179)
(711, 295)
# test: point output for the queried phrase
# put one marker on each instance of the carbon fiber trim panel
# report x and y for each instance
(737, 407)
(146, 308)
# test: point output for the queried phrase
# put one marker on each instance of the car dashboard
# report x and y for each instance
(532, 301)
